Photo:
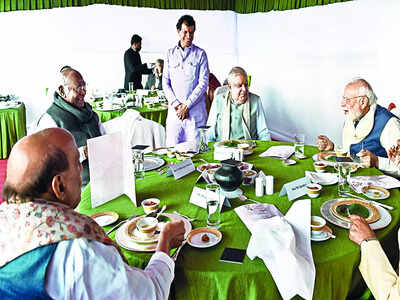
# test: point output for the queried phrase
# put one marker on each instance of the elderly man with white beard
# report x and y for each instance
(237, 114)
(369, 131)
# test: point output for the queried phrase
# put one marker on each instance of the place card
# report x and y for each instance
(181, 169)
(296, 188)
(199, 198)
(110, 175)
(222, 153)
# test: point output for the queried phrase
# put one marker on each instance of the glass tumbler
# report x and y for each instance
(213, 197)
(138, 160)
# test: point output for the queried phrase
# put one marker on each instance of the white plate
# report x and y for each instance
(330, 181)
(126, 242)
(161, 150)
(384, 220)
(289, 162)
(369, 192)
(152, 163)
(105, 218)
(194, 238)
(112, 107)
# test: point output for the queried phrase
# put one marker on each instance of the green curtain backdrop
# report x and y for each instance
(239, 6)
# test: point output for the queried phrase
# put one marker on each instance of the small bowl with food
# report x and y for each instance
(313, 190)
(150, 205)
(320, 166)
(317, 225)
(249, 177)
(147, 226)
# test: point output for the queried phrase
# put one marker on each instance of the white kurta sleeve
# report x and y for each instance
(82, 269)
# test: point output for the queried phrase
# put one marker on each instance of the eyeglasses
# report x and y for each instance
(345, 99)
(79, 88)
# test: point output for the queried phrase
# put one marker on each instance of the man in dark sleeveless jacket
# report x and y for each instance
(370, 130)
(50, 251)
(71, 112)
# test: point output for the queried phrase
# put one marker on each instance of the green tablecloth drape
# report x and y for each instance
(156, 114)
(12, 128)
(200, 275)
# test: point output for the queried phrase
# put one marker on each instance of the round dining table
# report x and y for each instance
(199, 274)
(12, 128)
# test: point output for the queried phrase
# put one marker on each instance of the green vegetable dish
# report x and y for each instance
(353, 209)
(231, 144)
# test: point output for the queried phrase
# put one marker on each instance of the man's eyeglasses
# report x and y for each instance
(79, 88)
(345, 99)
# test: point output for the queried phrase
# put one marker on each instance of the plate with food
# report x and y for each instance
(204, 237)
(375, 192)
(105, 218)
(246, 146)
(127, 237)
(384, 220)
(343, 208)
(208, 166)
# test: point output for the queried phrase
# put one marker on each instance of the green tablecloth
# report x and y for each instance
(12, 128)
(157, 114)
(200, 275)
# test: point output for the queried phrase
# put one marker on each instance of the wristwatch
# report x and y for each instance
(367, 240)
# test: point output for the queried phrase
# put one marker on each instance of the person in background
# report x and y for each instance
(369, 130)
(154, 80)
(185, 81)
(70, 111)
(237, 113)
(213, 84)
(48, 250)
(375, 267)
(133, 64)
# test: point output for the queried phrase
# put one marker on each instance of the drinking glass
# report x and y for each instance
(340, 151)
(138, 159)
(203, 139)
(344, 171)
(131, 89)
(299, 145)
(213, 197)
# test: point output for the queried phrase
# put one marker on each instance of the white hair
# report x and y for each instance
(236, 71)
(364, 89)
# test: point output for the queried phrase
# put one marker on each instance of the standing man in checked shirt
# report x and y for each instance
(185, 82)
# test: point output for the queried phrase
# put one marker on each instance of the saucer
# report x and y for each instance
(288, 162)
(323, 236)
(105, 218)
(195, 237)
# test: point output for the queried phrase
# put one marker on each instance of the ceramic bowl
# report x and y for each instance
(317, 223)
(147, 225)
(249, 177)
(320, 166)
(150, 205)
(313, 190)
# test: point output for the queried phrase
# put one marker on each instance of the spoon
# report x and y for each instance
(244, 198)
(161, 211)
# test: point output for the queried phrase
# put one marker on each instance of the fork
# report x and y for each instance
(175, 255)
(186, 217)
(120, 223)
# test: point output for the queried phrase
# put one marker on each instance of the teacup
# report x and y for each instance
(340, 151)
(243, 146)
(320, 166)
(249, 176)
(150, 205)
(170, 154)
(317, 223)
(147, 226)
(313, 190)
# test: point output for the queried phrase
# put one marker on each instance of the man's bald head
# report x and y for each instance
(34, 161)
(363, 89)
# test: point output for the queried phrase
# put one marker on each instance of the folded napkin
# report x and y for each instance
(187, 147)
(321, 177)
(283, 243)
(388, 182)
(278, 152)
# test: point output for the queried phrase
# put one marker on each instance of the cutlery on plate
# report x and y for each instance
(156, 213)
(367, 200)
(204, 161)
(120, 223)
(183, 216)
(331, 235)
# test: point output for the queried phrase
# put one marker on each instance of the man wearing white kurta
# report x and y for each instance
(237, 114)
(369, 130)
(185, 82)
(48, 250)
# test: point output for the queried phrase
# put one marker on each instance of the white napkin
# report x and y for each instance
(279, 152)
(321, 177)
(384, 181)
(283, 243)
(188, 146)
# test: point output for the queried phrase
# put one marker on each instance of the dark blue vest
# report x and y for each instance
(24, 277)
(372, 140)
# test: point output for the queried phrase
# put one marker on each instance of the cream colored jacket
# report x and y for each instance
(377, 271)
